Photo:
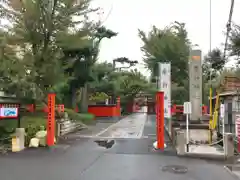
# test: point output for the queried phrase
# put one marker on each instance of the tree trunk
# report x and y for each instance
(73, 98)
(84, 99)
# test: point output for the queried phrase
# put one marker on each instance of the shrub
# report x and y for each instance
(85, 118)
(31, 131)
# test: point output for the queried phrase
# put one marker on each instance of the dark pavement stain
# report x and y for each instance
(105, 143)
(176, 169)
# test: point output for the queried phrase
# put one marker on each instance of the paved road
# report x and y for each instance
(130, 127)
(132, 158)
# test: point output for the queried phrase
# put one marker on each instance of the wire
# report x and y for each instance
(108, 15)
(210, 38)
(210, 25)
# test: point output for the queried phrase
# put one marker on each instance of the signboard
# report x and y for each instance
(8, 112)
(237, 126)
(187, 108)
(222, 110)
(165, 86)
(237, 130)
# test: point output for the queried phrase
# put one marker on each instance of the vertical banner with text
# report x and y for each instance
(165, 86)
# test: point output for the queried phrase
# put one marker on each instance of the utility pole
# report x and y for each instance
(229, 24)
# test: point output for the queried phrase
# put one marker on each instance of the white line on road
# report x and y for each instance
(129, 127)
(142, 128)
(109, 127)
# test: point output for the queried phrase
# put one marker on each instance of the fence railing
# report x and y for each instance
(66, 127)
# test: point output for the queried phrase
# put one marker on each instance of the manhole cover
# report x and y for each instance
(177, 169)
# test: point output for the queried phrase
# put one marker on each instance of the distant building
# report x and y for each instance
(6, 98)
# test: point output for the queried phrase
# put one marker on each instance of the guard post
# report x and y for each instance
(187, 109)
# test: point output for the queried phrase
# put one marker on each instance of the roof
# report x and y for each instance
(228, 93)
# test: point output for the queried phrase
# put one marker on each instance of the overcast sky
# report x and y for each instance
(126, 16)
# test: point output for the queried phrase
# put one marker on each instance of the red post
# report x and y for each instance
(51, 119)
(118, 104)
(160, 119)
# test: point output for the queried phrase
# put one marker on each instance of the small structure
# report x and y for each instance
(230, 97)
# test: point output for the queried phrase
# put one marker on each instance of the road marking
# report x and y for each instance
(111, 137)
(142, 128)
(129, 127)
(109, 127)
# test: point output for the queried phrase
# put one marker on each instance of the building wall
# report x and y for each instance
(232, 108)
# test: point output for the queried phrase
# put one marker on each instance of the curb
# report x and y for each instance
(203, 156)
(230, 172)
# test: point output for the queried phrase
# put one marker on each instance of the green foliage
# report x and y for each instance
(167, 45)
(82, 60)
(213, 64)
(126, 84)
(234, 44)
(31, 131)
(124, 60)
(85, 118)
(98, 96)
(180, 94)
(31, 48)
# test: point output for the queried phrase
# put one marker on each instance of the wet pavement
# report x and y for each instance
(82, 158)
(130, 127)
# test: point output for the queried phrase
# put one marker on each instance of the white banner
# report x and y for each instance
(165, 86)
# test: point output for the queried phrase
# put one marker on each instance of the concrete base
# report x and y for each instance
(155, 145)
(214, 157)
(20, 134)
(233, 170)
(204, 152)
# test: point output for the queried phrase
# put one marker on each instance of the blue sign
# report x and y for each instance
(9, 112)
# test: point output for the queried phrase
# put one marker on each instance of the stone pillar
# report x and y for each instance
(20, 135)
(195, 84)
(181, 143)
(228, 145)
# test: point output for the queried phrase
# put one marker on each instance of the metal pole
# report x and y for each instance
(223, 126)
(210, 89)
(187, 131)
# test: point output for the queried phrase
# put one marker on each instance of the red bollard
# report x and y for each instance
(160, 119)
(51, 120)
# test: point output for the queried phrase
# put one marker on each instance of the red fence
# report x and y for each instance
(106, 110)
(179, 109)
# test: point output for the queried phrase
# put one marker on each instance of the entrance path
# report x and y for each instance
(129, 127)
(130, 157)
